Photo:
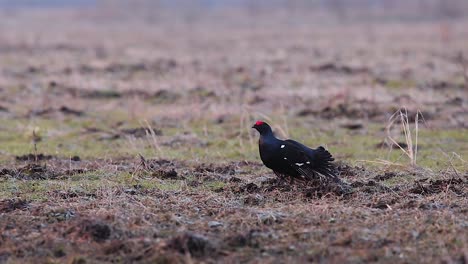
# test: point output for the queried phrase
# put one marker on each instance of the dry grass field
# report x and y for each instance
(126, 137)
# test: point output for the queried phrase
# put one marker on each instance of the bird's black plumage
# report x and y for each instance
(289, 158)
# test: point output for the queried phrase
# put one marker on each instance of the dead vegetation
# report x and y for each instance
(238, 218)
(132, 144)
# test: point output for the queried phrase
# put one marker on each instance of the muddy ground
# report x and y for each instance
(127, 139)
(230, 212)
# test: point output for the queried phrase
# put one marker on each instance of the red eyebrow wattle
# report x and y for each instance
(259, 123)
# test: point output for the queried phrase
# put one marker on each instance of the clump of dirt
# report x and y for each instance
(319, 189)
(5, 172)
(161, 96)
(116, 247)
(339, 69)
(235, 179)
(75, 158)
(248, 239)
(385, 145)
(100, 94)
(53, 169)
(109, 136)
(166, 174)
(96, 230)
(384, 203)
(140, 132)
(71, 194)
(163, 169)
(253, 199)
(272, 184)
(3, 108)
(34, 157)
(196, 245)
(70, 111)
(352, 126)
(456, 185)
(120, 67)
(411, 113)
(164, 96)
(156, 163)
(32, 171)
(442, 85)
(10, 205)
(455, 101)
(49, 111)
(357, 109)
(71, 172)
(60, 215)
(246, 188)
(385, 176)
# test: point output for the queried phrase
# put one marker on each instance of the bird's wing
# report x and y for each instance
(310, 163)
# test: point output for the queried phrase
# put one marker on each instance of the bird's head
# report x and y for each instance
(262, 127)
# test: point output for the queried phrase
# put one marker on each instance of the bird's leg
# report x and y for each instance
(291, 180)
(281, 177)
(284, 181)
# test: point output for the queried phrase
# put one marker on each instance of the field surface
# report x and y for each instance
(127, 138)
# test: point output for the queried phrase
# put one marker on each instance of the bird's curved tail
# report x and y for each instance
(324, 165)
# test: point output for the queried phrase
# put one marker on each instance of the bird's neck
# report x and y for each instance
(268, 136)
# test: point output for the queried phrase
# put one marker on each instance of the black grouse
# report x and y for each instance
(289, 158)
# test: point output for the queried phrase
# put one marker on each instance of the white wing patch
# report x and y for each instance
(282, 146)
(308, 162)
(285, 158)
(299, 164)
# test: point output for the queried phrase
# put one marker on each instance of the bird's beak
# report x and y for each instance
(253, 126)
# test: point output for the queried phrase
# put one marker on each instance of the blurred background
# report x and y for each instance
(89, 77)
(341, 9)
